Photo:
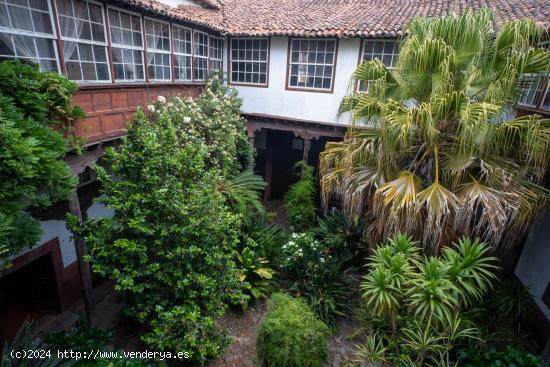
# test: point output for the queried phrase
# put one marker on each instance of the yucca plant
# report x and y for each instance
(435, 149)
(423, 298)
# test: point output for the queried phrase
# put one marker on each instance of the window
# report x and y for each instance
(201, 55)
(536, 88)
(249, 58)
(182, 45)
(157, 36)
(84, 44)
(26, 33)
(531, 89)
(127, 45)
(384, 50)
(312, 64)
(216, 50)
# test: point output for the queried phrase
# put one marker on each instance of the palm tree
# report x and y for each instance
(434, 149)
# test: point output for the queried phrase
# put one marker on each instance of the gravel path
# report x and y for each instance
(243, 327)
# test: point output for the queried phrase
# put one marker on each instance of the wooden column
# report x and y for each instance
(83, 267)
(268, 168)
(307, 147)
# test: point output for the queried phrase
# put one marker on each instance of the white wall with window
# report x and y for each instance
(308, 104)
(127, 45)
(27, 32)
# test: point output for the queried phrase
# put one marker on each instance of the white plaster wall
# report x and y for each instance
(311, 106)
(57, 228)
(533, 267)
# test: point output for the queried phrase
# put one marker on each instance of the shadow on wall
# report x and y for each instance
(533, 270)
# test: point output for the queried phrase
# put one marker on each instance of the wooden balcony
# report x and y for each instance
(111, 107)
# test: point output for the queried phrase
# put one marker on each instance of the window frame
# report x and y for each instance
(136, 48)
(210, 58)
(169, 52)
(53, 36)
(174, 54)
(334, 65)
(544, 80)
(207, 57)
(230, 60)
(360, 60)
(89, 42)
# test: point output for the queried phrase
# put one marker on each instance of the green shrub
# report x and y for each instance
(472, 357)
(291, 335)
(317, 274)
(343, 235)
(269, 238)
(32, 174)
(80, 338)
(300, 200)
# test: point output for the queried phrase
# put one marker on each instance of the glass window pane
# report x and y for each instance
(20, 18)
(42, 22)
(73, 70)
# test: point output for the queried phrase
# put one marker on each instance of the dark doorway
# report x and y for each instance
(278, 153)
(27, 293)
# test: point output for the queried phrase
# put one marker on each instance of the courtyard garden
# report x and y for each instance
(399, 265)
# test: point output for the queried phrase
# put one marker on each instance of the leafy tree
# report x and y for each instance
(439, 154)
(32, 173)
(422, 300)
(171, 245)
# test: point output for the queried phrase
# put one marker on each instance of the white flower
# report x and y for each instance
(170, 104)
(161, 99)
(151, 108)
(187, 119)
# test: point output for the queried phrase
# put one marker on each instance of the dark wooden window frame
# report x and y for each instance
(229, 60)
(361, 51)
(334, 65)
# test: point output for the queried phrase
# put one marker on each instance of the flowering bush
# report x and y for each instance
(171, 246)
(213, 121)
(317, 275)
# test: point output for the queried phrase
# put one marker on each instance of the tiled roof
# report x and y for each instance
(209, 15)
(337, 18)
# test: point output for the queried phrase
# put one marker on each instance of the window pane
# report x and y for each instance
(249, 60)
(42, 22)
(20, 18)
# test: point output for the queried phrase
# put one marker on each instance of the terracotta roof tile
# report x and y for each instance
(335, 18)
